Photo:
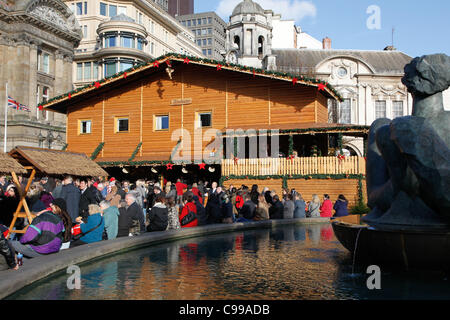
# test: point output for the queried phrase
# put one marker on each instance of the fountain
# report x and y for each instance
(408, 178)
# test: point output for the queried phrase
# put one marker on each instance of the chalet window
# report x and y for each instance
(380, 109)
(121, 124)
(162, 122)
(85, 126)
(397, 109)
(204, 119)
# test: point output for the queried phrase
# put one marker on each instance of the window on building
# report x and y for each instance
(397, 109)
(85, 31)
(152, 48)
(121, 124)
(85, 7)
(95, 71)
(126, 64)
(79, 8)
(87, 71)
(380, 109)
(45, 96)
(140, 43)
(110, 41)
(162, 122)
(46, 63)
(166, 35)
(204, 119)
(152, 27)
(79, 71)
(209, 20)
(189, 23)
(85, 126)
(209, 41)
(204, 52)
(37, 97)
(122, 10)
(209, 52)
(199, 42)
(199, 32)
(204, 31)
(194, 22)
(112, 10)
(345, 111)
(103, 7)
(203, 20)
(204, 42)
(110, 68)
(127, 41)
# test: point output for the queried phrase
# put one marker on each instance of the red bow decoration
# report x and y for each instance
(294, 81)
(156, 64)
(40, 108)
(341, 157)
(125, 75)
(202, 166)
(321, 86)
(70, 96)
(236, 159)
(219, 67)
(168, 63)
(97, 84)
(169, 166)
(186, 60)
(254, 73)
(291, 157)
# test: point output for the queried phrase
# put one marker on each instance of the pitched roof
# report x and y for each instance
(57, 162)
(60, 103)
(381, 62)
(8, 164)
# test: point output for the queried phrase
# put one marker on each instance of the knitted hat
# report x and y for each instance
(61, 203)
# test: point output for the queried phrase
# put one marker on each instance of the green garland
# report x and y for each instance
(339, 144)
(65, 147)
(135, 151)
(130, 163)
(291, 145)
(175, 149)
(97, 151)
(200, 60)
(235, 146)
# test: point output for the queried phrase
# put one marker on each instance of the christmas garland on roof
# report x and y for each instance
(65, 147)
(135, 152)
(255, 71)
(97, 151)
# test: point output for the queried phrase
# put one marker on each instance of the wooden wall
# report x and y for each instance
(347, 187)
(234, 99)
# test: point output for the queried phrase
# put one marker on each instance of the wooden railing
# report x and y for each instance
(300, 166)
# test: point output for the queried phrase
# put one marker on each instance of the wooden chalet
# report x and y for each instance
(130, 123)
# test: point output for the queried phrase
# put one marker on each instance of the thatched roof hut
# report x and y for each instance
(8, 165)
(57, 163)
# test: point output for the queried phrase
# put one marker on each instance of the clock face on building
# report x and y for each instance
(232, 57)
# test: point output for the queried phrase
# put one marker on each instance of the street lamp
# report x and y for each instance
(50, 139)
(41, 139)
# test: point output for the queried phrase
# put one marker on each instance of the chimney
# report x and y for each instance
(326, 43)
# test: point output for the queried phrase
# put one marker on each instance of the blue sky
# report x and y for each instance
(421, 27)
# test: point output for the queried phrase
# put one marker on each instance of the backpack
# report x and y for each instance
(191, 216)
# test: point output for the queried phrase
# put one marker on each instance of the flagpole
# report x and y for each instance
(6, 119)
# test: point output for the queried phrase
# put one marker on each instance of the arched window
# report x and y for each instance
(260, 45)
(237, 41)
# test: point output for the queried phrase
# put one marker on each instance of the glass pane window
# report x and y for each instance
(122, 124)
(209, 41)
(79, 8)
(87, 71)
(380, 109)
(209, 52)
(95, 71)
(205, 119)
(112, 11)
(209, 30)
(397, 109)
(122, 10)
(103, 9)
(85, 126)
(127, 41)
(345, 111)
(162, 122)
(110, 41)
(203, 20)
(46, 63)
(110, 68)
(85, 7)
(140, 43)
(199, 21)
(189, 23)
(209, 20)
(199, 42)
(204, 42)
(79, 71)
(124, 65)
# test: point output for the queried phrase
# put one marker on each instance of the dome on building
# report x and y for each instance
(247, 6)
(122, 17)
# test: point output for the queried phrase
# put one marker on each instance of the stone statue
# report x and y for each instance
(408, 159)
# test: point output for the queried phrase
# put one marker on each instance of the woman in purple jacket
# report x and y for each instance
(340, 206)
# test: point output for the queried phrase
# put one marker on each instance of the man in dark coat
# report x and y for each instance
(132, 213)
(213, 212)
(276, 210)
(71, 194)
(87, 197)
(248, 209)
(201, 212)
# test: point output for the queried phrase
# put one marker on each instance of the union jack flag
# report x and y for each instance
(18, 106)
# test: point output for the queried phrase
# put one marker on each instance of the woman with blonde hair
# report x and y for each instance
(314, 207)
(262, 210)
(92, 230)
(113, 197)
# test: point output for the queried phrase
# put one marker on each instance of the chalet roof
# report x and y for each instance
(8, 165)
(380, 61)
(57, 162)
(60, 103)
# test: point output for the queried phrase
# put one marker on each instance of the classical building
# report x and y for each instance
(209, 31)
(181, 7)
(368, 80)
(37, 43)
(120, 34)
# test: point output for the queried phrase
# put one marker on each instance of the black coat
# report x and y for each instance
(268, 197)
(202, 218)
(248, 210)
(158, 218)
(227, 210)
(276, 210)
(71, 194)
(87, 197)
(213, 212)
(126, 218)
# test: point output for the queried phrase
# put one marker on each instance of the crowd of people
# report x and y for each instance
(73, 212)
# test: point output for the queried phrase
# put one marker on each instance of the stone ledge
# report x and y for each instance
(38, 268)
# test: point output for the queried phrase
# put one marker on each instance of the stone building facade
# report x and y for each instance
(209, 31)
(37, 43)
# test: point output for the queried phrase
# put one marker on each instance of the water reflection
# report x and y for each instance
(292, 262)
